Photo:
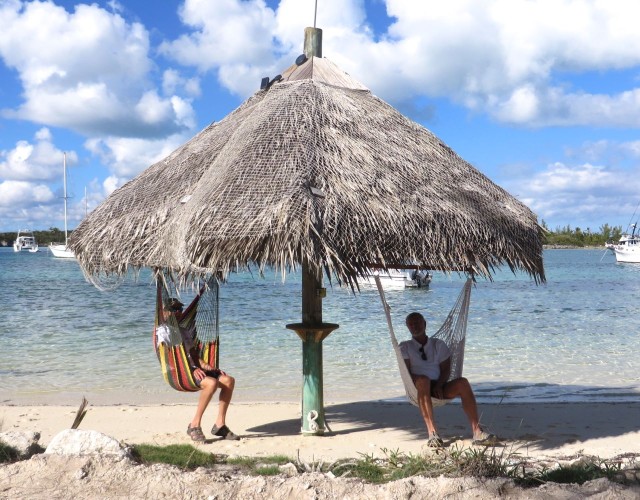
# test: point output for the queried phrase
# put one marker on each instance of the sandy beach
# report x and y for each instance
(536, 430)
(543, 433)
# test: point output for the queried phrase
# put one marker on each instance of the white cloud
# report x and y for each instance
(578, 193)
(225, 32)
(37, 161)
(512, 59)
(24, 204)
(631, 148)
(13, 193)
(87, 70)
(172, 82)
(111, 183)
(126, 157)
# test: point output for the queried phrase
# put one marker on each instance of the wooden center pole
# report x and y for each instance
(312, 331)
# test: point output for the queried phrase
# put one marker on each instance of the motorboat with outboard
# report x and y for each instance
(25, 240)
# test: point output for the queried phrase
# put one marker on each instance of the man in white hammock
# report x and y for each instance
(429, 362)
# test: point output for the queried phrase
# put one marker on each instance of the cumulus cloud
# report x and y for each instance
(583, 192)
(13, 193)
(39, 160)
(88, 70)
(26, 172)
(24, 203)
(127, 157)
(512, 59)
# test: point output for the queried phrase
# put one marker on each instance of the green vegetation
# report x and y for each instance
(264, 466)
(486, 462)
(580, 473)
(181, 455)
(565, 236)
(44, 238)
(7, 453)
(451, 462)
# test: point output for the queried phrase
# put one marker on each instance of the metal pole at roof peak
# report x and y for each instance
(315, 14)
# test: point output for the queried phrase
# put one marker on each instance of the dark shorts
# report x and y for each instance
(433, 384)
(210, 373)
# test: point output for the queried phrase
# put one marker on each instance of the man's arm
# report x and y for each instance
(408, 363)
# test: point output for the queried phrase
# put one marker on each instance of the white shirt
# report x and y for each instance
(163, 334)
(436, 351)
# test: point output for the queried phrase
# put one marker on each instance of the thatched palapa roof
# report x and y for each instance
(312, 169)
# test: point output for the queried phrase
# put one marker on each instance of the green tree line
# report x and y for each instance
(52, 235)
(578, 237)
(561, 236)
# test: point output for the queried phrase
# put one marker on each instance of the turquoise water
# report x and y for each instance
(573, 339)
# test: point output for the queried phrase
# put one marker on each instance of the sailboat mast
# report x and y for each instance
(64, 177)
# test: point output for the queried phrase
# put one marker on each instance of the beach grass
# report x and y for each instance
(450, 462)
(8, 453)
(580, 473)
(181, 455)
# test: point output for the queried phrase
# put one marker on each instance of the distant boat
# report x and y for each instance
(25, 240)
(59, 250)
(398, 278)
(627, 249)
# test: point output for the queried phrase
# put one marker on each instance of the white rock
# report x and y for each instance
(82, 442)
(289, 469)
(25, 443)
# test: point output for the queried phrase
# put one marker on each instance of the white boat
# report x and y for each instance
(628, 248)
(60, 250)
(25, 240)
(401, 278)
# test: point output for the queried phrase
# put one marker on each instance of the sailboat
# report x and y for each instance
(59, 250)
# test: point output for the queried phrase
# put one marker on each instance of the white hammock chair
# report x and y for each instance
(452, 332)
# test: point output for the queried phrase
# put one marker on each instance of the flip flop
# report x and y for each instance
(224, 432)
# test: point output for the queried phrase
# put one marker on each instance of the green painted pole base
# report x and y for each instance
(312, 387)
(313, 418)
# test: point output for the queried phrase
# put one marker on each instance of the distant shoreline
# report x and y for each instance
(572, 247)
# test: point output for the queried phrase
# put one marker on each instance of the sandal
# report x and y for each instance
(435, 441)
(224, 432)
(196, 434)
(484, 438)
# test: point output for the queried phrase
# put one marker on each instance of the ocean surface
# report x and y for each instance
(575, 338)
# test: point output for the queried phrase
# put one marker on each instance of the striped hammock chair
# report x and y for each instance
(199, 320)
(453, 332)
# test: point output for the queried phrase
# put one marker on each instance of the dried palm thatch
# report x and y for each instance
(313, 169)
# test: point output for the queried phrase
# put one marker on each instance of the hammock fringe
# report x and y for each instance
(453, 332)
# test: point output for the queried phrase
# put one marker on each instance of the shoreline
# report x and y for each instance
(535, 430)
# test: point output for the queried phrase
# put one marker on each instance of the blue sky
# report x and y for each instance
(542, 96)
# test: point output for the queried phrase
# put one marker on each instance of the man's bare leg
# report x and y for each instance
(208, 386)
(461, 388)
(227, 384)
(423, 384)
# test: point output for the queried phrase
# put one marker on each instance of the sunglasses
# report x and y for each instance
(422, 353)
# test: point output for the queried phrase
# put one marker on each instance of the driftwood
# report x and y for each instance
(80, 413)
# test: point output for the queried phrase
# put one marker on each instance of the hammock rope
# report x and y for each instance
(453, 332)
(199, 322)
